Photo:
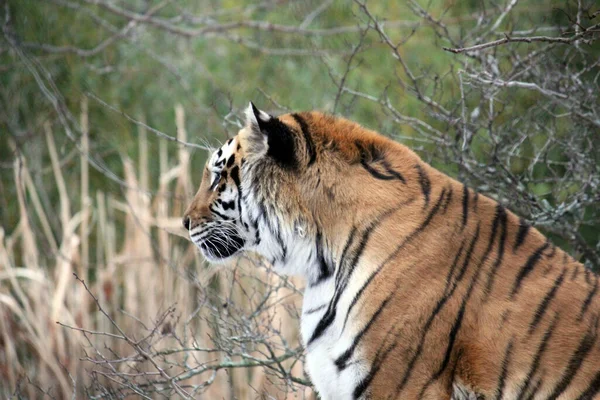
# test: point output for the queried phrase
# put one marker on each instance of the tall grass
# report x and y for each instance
(151, 308)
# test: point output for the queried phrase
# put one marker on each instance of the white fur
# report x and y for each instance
(320, 355)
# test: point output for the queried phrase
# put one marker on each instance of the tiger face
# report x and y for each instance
(214, 219)
(254, 195)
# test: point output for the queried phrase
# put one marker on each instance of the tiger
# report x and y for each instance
(417, 287)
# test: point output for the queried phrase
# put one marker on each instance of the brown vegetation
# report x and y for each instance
(154, 320)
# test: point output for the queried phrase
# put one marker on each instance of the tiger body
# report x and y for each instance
(415, 284)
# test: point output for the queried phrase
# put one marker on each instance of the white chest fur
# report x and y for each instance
(329, 380)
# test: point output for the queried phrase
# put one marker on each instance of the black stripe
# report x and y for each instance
(357, 253)
(419, 229)
(592, 390)
(366, 381)
(277, 234)
(552, 251)
(349, 242)
(453, 333)
(345, 272)
(538, 357)
(366, 157)
(588, 299)
(470, 250)
(196, 234)
(465, 204)
(541, 310)
(575, 273)
(329, 316)
(228, 205)
(448, 200)
(392, 172)
(453, 266)
(235, 175)
(342, 360)
(576, 361)
(230, 161)
(357, 296)
(262, 212)
(521, 234)
(459, 354)
(256, 238)
(218, 214)
(275, 231)
(360, 292)
(535, 389)
(310, 145)
(345, 251)
(449, 348)
(459, 318)
(424, 182)
(527, 268)
(365, 237)
(254, 223)
(439, 305)
(314, 310)
(325, 271)
(363, 384)
(499, 220)
(375, 173)
(504, 371)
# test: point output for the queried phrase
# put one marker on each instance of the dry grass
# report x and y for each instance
(155, 321)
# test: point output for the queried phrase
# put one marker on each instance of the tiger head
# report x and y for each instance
(286, 187)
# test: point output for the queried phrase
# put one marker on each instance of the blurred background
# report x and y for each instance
(109, 108)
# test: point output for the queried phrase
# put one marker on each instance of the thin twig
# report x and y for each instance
(546, 39)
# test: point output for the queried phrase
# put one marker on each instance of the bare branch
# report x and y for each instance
(546, 39)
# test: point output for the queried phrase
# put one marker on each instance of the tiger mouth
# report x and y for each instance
(218, 247)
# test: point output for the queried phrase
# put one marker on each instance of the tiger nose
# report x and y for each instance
(186, 222)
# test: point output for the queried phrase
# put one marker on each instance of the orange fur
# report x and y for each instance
(456, 311)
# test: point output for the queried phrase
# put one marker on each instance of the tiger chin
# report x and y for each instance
(417, 286)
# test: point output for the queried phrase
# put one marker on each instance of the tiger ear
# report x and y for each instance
(256, 124)
(268, 135)
(256, 119)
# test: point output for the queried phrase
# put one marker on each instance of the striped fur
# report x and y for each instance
(417, 287)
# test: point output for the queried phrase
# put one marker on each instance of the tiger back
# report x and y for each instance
(416, 286)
